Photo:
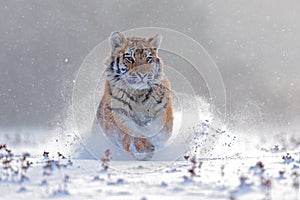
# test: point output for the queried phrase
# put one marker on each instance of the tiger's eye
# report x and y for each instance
(149, 60)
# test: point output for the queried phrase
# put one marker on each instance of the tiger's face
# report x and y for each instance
(134, 62)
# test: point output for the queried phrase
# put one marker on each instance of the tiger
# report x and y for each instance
(135, 111)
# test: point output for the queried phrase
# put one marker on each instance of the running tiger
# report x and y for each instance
(136, 112)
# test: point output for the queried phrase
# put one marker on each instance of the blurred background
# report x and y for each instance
(255, 44)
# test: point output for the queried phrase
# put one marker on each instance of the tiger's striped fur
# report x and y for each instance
(135, 112)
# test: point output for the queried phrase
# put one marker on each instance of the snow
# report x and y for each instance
(230, 172)
(87, 181)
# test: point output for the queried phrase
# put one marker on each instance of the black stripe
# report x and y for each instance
(157, 61)
(118, 68)
(161, 98)
(112, 65)
(162, 95)
(122, 110)
(165, 105)
(147, 95)
(128, 95)
(121, 100)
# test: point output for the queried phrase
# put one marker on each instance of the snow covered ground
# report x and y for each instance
(237, 169)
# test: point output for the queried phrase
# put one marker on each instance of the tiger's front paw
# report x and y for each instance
(144, 149)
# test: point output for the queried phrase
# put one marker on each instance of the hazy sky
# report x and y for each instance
(254, 43)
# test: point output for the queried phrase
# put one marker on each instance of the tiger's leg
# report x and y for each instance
(139, 148)
(168, 120)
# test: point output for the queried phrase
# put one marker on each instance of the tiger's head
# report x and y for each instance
(133, 62)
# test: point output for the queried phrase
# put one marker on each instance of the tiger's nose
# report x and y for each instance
(142, 75)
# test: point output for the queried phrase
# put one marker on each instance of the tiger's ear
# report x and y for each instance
(116, 40)
(155, 41)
